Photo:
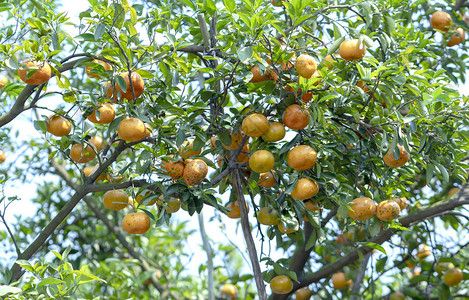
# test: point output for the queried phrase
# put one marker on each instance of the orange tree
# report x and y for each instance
(319, 112)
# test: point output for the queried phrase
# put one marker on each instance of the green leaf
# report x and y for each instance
(245, 53)
(119, 15)
(312, 240)
(100, 29)
(374, 246)
(5, 289)
(49, 281)
(335, 45)
(88, 275)
(121, 82)
(230, 5)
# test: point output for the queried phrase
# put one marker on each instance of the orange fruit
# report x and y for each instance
(270, 74)
(441, 20)
(301, 158)
(3, 157)
(305, 96)
(81, 156)
(274, 133)
(400, 161)
(453, 277)
(457, 37)
(141, 197)
(195, 172)
(35, 73)
(329, 62)
(281, 284)
(59, 126)
(255, 125)
(172, 205)
(351, 50)
(402, 202)
(148, 130)
(305, 65)
(107, 113)
(235, 212)
(312, 206)
(304, 189)
(261, 161)
(303, 294)
(295, 118)
(136, 223)
(267, 179)
(213, 141)
(339, 281)
(97, 141)
(362, 209)
(387, 210)
(277, 2)
(187, 150)
(256, 75)
(105, 65)
(397, 296)
(115, 199)
(236, 139)
(114, 91)
(423, 252)
(453, 191)
(87, 171)
(268, 216)
(285, 230)
(131, 129)
(229, 290)
(175, 169)
(3, 81)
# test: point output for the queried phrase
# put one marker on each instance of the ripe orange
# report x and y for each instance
(285, 230)
(268, 216)
(387, 210)
(142, 196)
(281, 284)
(274, 133)
(97, 141)
(256, 75)
(87, 171)
(105, 65)
(402, 202)
(424, 252)
(457, 37)
(362, 209)
(187, 150)
(235, 212)
(35, 73)
(267, 179)
(351, 50)
(131, 129)
(270, 74)
(339, 281)
(115, 199)
(397, 296)
(3, 157)
(329, 62)
(81, 156)
(136, 223)
(261, 161)
(195, 172)
(175, 169)
(305, 65)
(453, 277)
(107, 113)
(236, 139)
(277, 2)
(295, 118)
(59, 126)
(312, 206)
(172, 205)
(3, 81)
(403, 158)
(304, 189)
(213, 141)
(229, 290)
(441, 20)
(255, 125)
(301, 158)
(442, 267)
(303, 294)
(114, 91)
(305, 96)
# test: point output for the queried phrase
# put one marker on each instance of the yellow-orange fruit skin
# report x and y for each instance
(41, 75)
(402, 202)
(137, 83)
(268, 216)
(255, 125)
(229, 290)
(457, 37)
(305, 65)
(274, 133)
(59, 126)
(187, 150)
(362, 209)
(195, 172)
(261, 161)
(281, 284)
(106, 66)
(3, 81)
(441, 20)
(107, 113)
(3, 157)
(284, 230)
(339, 281)
(136, 223)
(424, 252)
(115, 199)
(140, 197)
(256, 75)
(172, 205)
(97, 141)
(302, 157)
(81, 156)
(267, 179)
(351, 50)
(303, 294)
(453, 277)
(397, 296)
(131, 130)
(387, 210)
(235, 212)
(400, 161)
(295, 118)
(236, 139)
(175, 169)
(304, 189)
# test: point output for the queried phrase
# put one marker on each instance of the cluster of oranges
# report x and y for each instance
(442, 21)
